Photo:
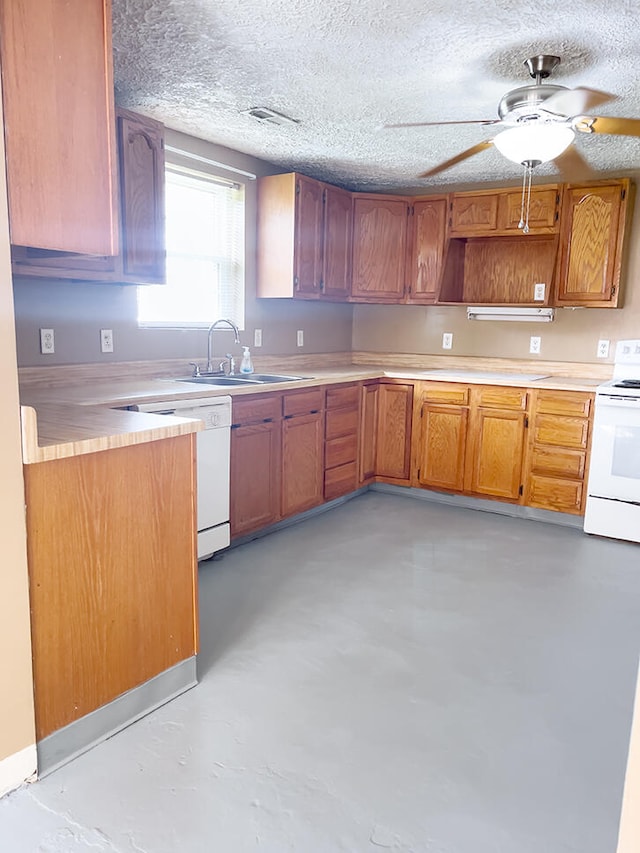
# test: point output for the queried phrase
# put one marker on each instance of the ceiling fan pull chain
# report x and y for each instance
(529, 173)
(524, 181)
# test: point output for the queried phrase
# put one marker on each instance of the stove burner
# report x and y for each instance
(628, 383)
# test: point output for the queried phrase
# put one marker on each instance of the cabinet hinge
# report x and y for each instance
(418, 473)
(624, 193)
(408, 210)
(526, 422)
(324, 196)
(557, 198)
(613, 290)
(521, 489)
(557, 216)
(296, 282)
(321, 285)
(297, 189)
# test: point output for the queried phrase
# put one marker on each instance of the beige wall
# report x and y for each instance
(573, 336)
(16, 703)
(77, 311)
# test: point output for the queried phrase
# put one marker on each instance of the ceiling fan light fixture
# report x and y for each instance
(532, 142)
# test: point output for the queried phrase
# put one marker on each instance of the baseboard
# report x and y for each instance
(67, 743)
(17, 769)
(564, 519)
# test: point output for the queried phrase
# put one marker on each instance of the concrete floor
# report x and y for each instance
(391, 675)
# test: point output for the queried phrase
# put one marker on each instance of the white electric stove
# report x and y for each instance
(613, 493)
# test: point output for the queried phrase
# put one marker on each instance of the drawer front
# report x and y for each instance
(303, 402)
(339, 451)
(559, 462)
(564, 403)
(495, 397)
(555, 494)
(445, 393)
(561, 432)
(341, 422)
(346, 396)
(248, 410)
(340, 481)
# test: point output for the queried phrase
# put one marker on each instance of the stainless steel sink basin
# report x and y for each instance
(218, 380)
(252, 379)
(275, 377)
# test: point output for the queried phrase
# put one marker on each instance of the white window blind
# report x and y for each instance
(205, 254)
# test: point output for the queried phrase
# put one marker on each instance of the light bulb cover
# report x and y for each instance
(530, 142)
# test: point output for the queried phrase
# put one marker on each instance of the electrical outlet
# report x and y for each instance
(257, 337)
(300, 337)
(447, 340)
(106, 340)
(539, 292)
(47, 343)
(534, 344)
(603, 349)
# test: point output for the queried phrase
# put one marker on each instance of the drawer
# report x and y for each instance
(561, 432)
(347, 395)
(495, 397)
(248, 410)
(340, 481)
(339, 451)
(555, 494)
(564, 403)
(303, 402)
(559, 462)
(445, 392)
(341, 422)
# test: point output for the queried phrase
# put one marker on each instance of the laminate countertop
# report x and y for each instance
(90, 416)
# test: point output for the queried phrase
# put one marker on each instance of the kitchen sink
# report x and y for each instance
(252, 379)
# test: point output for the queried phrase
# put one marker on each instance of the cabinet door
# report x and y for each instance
(495, 460)
(592, 234)
(395, 409)
(255, 476)
(141, 153)
(473, 214)
(338, 224)
(368, 432)
(308, 238)
(302, 463)
(379, 248)
(59, 124)
(543, 210)
(443, 443)
(428, 227)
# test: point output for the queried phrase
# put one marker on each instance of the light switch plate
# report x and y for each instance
(257, 337)
(447, 340)
(47, 343)
(534, 344)
(603, 349)
(300, 337)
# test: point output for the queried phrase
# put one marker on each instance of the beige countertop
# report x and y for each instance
(84, 417)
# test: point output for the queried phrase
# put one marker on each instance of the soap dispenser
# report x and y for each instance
(246, 366)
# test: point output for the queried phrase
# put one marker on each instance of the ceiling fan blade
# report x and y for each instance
(574, 102)
(441, 123)
(607, 124)
(572, 166)
(463, 155)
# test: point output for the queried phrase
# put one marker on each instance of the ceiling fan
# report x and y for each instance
(540, 122)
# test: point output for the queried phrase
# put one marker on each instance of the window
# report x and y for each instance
(205, 254)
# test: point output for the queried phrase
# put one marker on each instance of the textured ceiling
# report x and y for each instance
(344, 68)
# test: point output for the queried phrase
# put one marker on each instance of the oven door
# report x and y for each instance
(614, 471)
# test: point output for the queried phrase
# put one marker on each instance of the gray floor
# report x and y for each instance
(390, 675)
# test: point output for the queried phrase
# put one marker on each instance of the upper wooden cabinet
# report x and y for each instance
(141, 159)
(304, 238)
(379, 247)
(141, 259)
(426, 248)
(593, 230)
(60, 125)
(500, 212)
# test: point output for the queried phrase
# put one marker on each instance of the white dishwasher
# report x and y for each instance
(213, 445)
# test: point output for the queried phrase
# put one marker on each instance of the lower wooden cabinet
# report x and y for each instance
(559, 444)
(442, 448)
(369, 394)
(302, 450)
(394, 420)
(112, 573)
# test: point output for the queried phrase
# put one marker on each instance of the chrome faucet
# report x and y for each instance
(216, 325)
